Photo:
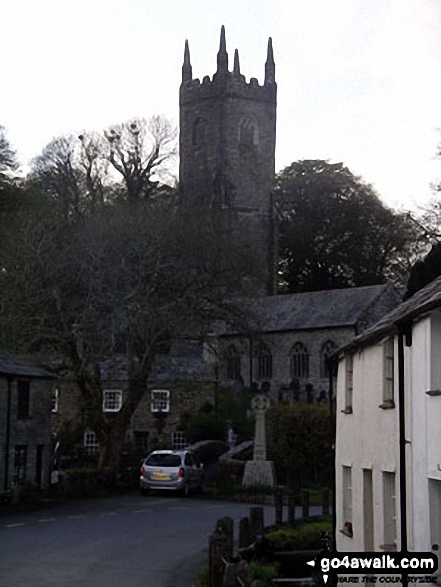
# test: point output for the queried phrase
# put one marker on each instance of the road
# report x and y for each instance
(123, 541)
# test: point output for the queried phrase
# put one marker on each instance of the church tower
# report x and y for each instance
(227, 146)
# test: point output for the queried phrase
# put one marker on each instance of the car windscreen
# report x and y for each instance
(163, 460)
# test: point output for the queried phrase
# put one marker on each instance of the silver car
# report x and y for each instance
(177, 470)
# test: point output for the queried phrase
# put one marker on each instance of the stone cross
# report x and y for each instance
(260, 405)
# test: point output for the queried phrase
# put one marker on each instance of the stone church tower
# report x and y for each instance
(227, 145)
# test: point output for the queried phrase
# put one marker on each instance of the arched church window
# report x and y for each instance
(232, 360)
(327, 349)
(248, 131)
(199, 132)
(264, 362)
(299, 361)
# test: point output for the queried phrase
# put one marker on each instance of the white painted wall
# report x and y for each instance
(366, 439)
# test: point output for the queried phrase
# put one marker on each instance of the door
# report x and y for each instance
(435, 522)
(368, 510)
(39, 466)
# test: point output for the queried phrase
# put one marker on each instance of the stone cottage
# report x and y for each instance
(25, 423)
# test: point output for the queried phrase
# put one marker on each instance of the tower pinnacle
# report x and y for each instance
(236, 68)
(222, 56)
(270, 67)
(186, 68)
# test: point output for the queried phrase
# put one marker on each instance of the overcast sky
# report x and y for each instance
(359, 81)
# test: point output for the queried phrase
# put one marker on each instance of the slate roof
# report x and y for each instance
(318, 309)
(12, 365)
(421, 302)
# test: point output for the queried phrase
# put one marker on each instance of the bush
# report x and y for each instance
(204, 426)
(306, 537)
(87, 482)
(265, 573)
(300, 444)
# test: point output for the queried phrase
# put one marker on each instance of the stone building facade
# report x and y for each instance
(227, 149)
(25, 423)
(291, 337)
(181, 383)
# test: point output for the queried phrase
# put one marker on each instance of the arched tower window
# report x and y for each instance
(248, 131)
(232, 361)
(199, 132)
(264, 362)
(299, 361)
(327, 349)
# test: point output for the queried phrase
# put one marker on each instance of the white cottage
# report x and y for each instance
(388, 457)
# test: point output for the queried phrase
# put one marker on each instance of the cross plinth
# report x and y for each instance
(259, 471)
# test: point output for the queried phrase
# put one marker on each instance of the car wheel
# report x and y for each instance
(144, 491)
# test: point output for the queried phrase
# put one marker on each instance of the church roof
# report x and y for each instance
(421, 302)
(15, 366)
(358, 307)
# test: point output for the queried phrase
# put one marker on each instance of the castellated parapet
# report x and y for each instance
(227, 149)
(229, 85)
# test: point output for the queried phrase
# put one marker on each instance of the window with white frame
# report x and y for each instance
(112, 400)
(388, 373)
(55, 398)
(349, 383)
(347, 501)
(389, 512)
(160, 400)
(179, 440)
(90, 442)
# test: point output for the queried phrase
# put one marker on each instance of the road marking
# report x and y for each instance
(14, 525)
(178, 508)
(213, 507)
(142, 511)
(110, 514)
(47, 519)
(75, 517)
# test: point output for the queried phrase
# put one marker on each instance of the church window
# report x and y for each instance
(327, 349)
(233, 363)
(199, 132)
(248, 131)
(264, 363)
(299, 361)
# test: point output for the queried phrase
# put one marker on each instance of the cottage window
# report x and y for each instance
(112, 400)
(327, 349)
(20, 461)
(388, 374)
(299, 361)
(90, 442)
(389, 512)
(233, 363)
(347, 501)
(248, 131)
(160, 400)
(349, 382)
(179, 440)
(24, 399)
(264, 363)
(55, 398)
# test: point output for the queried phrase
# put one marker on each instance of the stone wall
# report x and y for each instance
(32, 432)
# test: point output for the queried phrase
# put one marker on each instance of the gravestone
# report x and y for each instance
(259, 471)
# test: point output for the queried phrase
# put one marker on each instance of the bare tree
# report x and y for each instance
(139, 151)
(121, 282)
